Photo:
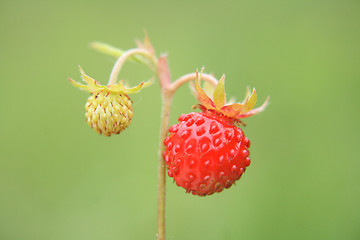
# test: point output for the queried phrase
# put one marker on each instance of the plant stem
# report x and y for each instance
(191, 77)
(121, 60)
(168, 89)
(165, 117)
(167, 95)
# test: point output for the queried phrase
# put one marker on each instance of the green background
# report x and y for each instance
(60, 180)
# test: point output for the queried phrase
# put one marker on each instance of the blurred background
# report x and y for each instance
(60, 180)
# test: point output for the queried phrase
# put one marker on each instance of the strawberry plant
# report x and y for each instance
(205, 153)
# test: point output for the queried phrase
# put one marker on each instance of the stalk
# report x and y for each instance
(121, 60)
(168, 89)
(165, 117)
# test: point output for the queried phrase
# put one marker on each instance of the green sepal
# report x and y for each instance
(219, 93)
(201, 95)
(93, 86)
(250, 102)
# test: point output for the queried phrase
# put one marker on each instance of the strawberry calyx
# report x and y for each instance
(234, 111)
(211, 113)
(94, 86)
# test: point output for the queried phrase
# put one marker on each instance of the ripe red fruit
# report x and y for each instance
(206, 152)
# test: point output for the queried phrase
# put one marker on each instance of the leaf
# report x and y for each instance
(119, 87)
(247, 93)
(146, 44)
(92, 84)
(134, 89)
(138, 87)
(163, 72)
(90, 81)
(254, 111)
(78, 85)
(201, 95)
(232, 110)
(116, 52)
(219, 93)
(208, 88)
(107, 49)
(250, 102)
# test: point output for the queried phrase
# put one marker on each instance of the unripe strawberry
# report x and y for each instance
(108, 112)
(109, 108)
(206, 152)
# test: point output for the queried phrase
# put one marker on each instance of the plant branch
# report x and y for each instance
(121, 60)
(191, 77)
(144, 54)
(165, 117)
(168, 90)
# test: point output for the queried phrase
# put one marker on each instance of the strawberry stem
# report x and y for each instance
(189, 78)
(165, 117)
(121, 60)
(168, 89)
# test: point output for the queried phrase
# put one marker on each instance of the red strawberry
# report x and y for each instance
(206, 152)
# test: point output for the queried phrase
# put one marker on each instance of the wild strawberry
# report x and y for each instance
(206, 152)
(108, 112)
(109, 108)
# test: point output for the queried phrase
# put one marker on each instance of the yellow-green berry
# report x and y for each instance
(109, 108)
(108, 112)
